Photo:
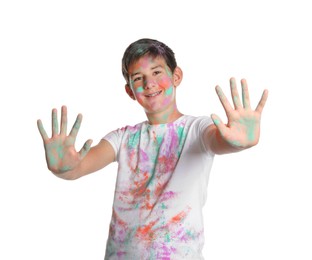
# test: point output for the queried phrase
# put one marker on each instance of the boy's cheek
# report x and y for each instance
(165, 82)
(139, 90)
(169, 91)
(139, 97)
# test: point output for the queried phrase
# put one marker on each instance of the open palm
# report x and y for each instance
(61, 155)
(243, 127)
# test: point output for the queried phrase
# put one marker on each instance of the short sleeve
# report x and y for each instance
(203, 123)
(114, 138)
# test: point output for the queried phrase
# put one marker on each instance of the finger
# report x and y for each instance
(55, 127)
(262, 101)
(245, 94)
(219, 124)
(235, 95)
(224, 101)
(42, 131)
(85, 149)
(76, 126)
(64, 120)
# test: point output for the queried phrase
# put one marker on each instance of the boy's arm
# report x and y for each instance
(61, 156)
(243, 128)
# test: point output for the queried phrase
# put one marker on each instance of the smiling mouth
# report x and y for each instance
(154, 94)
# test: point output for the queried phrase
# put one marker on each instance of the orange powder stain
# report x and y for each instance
(146, 232)
(140, 186)
(180, 216)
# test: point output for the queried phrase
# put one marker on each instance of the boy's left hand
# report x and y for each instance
(243, 127)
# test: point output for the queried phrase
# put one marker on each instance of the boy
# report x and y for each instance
(163, 163)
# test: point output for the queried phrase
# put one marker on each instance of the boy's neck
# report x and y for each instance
(163, 117)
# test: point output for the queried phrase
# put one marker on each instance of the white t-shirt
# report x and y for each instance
(160, 190)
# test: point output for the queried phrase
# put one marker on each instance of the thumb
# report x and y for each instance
(85, 149)
(218, 123)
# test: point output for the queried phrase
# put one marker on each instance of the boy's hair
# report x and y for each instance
(151, 47)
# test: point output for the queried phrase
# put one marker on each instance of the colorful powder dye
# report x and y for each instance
(169, 91)
(143, 198)
(139, 89)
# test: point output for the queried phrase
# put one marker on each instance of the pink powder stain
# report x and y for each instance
(174, 138)
(167, 100)
(166, 253)
(143, 156)
(167, 163)
(121, 253)
(165, 82)
(167, 196)
(181, 234)
(118, 228)
(146, 60)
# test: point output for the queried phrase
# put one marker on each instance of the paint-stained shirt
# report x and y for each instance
(160, 190)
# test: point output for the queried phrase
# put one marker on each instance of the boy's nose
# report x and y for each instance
(149, 84)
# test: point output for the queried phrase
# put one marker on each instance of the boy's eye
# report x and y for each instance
(157, 72)
(137, 79)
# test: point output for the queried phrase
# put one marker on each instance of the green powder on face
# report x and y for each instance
(168, 71)
(169, 91)
(139, 89)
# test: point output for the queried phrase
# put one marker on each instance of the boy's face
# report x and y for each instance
(152, 84)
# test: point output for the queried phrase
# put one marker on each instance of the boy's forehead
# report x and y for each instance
(147, 61)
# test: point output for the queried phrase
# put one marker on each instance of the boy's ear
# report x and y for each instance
(129, 91)
(177, 76)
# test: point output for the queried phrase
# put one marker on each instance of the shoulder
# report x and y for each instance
(201, 122)
(128, 128)
(123, 133)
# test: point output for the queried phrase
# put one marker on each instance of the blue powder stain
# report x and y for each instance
(60, 152)
(51, 159)
(159, 139)
(134, 140)
(169, 91)
(139, 89)
(216, 121)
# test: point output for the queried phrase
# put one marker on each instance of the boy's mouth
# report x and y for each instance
(154, 94)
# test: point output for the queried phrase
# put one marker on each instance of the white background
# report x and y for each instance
(69, 52)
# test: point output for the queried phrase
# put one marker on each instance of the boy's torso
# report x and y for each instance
(160, 190)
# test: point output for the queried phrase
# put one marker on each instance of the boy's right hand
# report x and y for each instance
(60, 151)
